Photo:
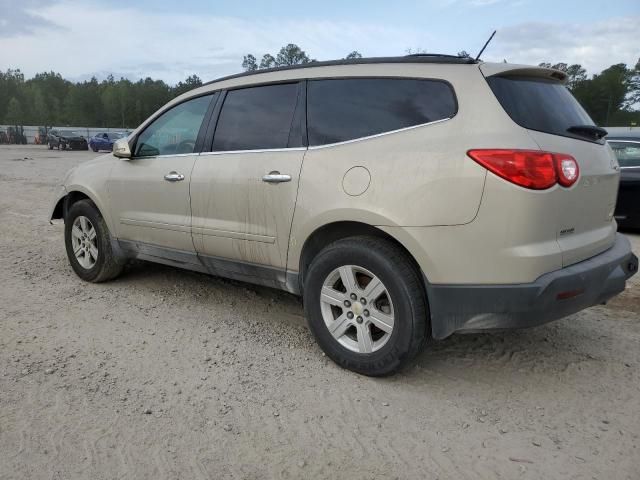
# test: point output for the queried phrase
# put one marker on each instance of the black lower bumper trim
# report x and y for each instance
(552, 296)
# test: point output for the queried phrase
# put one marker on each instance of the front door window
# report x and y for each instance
(175, 131)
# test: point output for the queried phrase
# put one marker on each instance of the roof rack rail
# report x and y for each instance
(433, 55)
(413, 58)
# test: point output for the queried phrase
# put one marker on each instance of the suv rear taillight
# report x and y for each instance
(568, 170)
(529, 168)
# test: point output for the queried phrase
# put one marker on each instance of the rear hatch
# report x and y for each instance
(537, 100)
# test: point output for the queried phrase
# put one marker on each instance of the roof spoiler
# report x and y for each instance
(511, 69)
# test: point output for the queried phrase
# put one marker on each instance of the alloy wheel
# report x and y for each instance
(357, 309)
(84, 242)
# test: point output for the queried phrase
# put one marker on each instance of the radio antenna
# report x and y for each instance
(485, 45)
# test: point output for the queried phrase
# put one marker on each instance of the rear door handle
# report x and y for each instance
(276, 177)
(174, 177)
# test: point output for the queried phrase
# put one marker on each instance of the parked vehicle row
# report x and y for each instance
(105, 140)
(66, 139)
(403, 198)
(69, 139)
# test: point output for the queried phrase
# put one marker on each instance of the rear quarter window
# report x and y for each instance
(346, 109)
(540, 104)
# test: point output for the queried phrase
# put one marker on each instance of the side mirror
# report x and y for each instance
(121, 148)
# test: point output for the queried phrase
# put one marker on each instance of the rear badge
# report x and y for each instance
(567, 231)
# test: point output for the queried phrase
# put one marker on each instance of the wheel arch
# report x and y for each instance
(75, 194)
(331, 232)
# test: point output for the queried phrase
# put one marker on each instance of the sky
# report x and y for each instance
(171, 40)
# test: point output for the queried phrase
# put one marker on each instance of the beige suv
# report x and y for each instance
(404, 198)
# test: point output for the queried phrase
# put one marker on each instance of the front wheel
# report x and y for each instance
(88, 244)
(366, 306)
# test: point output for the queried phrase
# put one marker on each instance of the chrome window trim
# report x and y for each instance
(623, 141)
(147, 157)
(221, 152)
(390, 132)
(631, 167)
(315, 147)
(259, 150)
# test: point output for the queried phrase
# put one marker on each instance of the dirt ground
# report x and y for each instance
(170, 374)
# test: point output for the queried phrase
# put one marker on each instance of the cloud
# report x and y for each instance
(138, 44)
(595, 45)
(18, 17)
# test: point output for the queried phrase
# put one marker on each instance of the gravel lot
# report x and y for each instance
(170, 374)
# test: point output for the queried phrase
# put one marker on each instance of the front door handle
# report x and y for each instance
(174, 177)
(276, 177)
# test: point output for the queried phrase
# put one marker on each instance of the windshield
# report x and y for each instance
(540, 104)
(69, 133)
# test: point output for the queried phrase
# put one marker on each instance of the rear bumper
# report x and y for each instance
(552, 296)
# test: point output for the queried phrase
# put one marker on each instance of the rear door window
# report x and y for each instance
(257, 118)
(540, 104)
(346, 109)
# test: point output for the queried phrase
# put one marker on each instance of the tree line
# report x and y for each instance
(48, 99)
(288, 55)
(611, 97)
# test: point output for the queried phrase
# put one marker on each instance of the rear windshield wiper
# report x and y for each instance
(590, 131)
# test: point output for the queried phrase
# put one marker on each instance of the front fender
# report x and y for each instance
(95, 198)
(57, 204)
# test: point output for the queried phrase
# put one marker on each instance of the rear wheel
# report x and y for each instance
(88, 244)
(366, 305)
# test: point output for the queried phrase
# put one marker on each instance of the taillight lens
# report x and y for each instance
(568, 170)
(529, 168)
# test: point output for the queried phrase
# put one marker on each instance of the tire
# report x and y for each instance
(97, 265)
(403, 305)
(94, 149)
(50, 146)
(64, 146)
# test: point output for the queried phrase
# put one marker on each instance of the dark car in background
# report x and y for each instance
(104, 140)
(627, 150)
(63, 139)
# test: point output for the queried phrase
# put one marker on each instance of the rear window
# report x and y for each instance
(346, 109)
(540, 104)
